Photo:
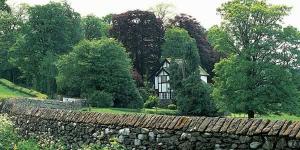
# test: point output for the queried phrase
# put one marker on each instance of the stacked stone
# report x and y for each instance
(140, 131)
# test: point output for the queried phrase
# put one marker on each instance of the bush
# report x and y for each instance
(194, 98)
(151, 102)
(145, 92)
(100, 99)
(172, 107)
(7, 135)
(27, 145)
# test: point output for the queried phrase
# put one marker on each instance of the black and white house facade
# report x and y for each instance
(161, 82)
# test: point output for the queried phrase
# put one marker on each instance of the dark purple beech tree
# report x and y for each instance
(208, 55)
(142, 35)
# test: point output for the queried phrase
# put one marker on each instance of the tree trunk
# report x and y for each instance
(250, 114)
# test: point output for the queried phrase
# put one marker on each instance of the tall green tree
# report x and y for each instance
(4, 6)
(256, 77)
(94, 28)
(192, 94)
(11, 23)
(52, 28)
(101, 66)
(208, 55)
(142, 35)
(177, 42)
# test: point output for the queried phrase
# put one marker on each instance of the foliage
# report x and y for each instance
(257, 75)
(172, 107)
(100, 99)
(275, 93)
(22, 89)
(99, 66)
(146, 91)
(177, 41)
(27, 145)
(9, 30)
(142, 35)
(164, 11)
(208, 55)
(7, 135)
(194, 97)
(50, 30)
(94, 28)
(151, 102)
(4, 6)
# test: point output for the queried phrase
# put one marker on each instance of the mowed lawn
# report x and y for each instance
(270, 117)
(159, 111)
(5, 92)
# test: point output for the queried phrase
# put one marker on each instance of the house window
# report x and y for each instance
(164, 95)
(163, 79)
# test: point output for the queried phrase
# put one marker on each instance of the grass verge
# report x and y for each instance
(159, 111)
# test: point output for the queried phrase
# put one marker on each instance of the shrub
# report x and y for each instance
(145, 92)
(7, 135)
(194, 98)
(151, 102)
(101, 99)
(27, 145)
(172, 107)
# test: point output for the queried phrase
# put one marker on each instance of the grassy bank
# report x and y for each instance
(6, 92)
(9, 89)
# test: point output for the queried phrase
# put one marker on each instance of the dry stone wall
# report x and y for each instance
(139, 131)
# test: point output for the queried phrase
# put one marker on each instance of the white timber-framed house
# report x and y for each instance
(161, 82)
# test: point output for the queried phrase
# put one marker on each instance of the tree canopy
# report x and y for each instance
(206, 52)
(177, 41)
(94, 28)
(142, 35)
(256, 76)
(101, 65)
(50, 30)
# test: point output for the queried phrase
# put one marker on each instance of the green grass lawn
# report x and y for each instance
(270, 117)
(162, 111)
(159, 111)
(5, 92)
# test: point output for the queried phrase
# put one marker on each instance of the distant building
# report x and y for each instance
(161, 81)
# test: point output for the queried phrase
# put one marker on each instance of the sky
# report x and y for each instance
(203, 10)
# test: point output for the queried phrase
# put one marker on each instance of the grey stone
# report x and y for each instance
(137, 142)
(141, 136)
(234, 146)
(121, 139)
(293, 144)
(281, 144)
(244, 139)
(144, 130)
(255, 145)
(185, 136)
(151, 136)
(124, 131)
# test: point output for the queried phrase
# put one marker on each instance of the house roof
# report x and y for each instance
(178, 61)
